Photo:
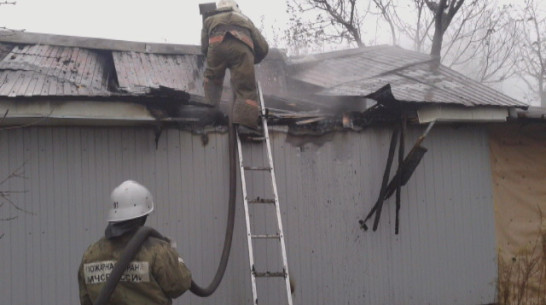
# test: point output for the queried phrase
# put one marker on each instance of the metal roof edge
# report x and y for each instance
(97, 43)
(38, 112)
(311, 58)
(24, 122)
(384, 94)
(19, 37)
(483, 87)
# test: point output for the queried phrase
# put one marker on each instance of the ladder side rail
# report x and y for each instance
(276, 196)
(247, 221)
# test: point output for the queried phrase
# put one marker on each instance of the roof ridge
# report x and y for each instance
(303, 59)
(97, 43)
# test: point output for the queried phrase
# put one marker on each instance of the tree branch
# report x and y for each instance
(338, 17)
(531, 56)
(5, 194)
(8, 219)
(439, 30)
(384, 9)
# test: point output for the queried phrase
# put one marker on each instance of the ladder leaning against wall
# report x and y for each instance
(252, 204)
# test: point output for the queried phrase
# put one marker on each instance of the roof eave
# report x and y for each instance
(84, 112)
(458, 114)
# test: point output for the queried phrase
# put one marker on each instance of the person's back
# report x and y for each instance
(229, 40)
(227, 17)
(156, 275)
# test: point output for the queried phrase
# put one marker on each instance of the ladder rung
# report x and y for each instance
(255, 168)
(255, 139)
(262, 200)
(266, 236)
(270, 274)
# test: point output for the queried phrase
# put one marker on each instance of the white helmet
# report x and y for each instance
(130, 200)
(228, 4)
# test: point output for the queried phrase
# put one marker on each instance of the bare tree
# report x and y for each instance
(423, 25)
(480, 38)
(387, 10)
(531, 56)
(343, 15)
(482, 41)
(474, 36)
(443, 11)
(326, 20)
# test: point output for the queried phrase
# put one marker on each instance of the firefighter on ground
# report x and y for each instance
(229, 40)
(156, 275)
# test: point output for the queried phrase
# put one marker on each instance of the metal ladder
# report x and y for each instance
(261, 201)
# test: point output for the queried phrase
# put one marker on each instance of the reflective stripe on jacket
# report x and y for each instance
(155, 276)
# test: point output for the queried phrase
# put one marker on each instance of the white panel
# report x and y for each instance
(460, 114)
(445, 253)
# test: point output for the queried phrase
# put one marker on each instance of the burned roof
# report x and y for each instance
(40, 65)
(43, 70)
(139, 72)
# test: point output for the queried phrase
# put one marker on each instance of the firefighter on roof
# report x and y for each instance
(156, 275)
(229, 40)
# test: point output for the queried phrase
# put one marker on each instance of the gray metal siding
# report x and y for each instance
(445, 253)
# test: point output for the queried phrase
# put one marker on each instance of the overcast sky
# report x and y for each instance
(173, 21)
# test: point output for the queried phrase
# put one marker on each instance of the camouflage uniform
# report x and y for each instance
(230, 40)
(156, 275)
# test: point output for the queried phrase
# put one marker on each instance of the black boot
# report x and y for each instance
(250, 134)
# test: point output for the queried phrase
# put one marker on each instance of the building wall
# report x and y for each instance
(445, 252)
(519, 175)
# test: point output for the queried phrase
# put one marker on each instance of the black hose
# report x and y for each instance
(205, 292)
(144, 232)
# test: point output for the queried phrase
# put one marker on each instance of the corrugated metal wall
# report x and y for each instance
(445, 253)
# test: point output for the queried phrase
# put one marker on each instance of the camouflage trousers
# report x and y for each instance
(234, 55)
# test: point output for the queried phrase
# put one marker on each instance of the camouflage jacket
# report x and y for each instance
(239, 26)
(155, 276)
